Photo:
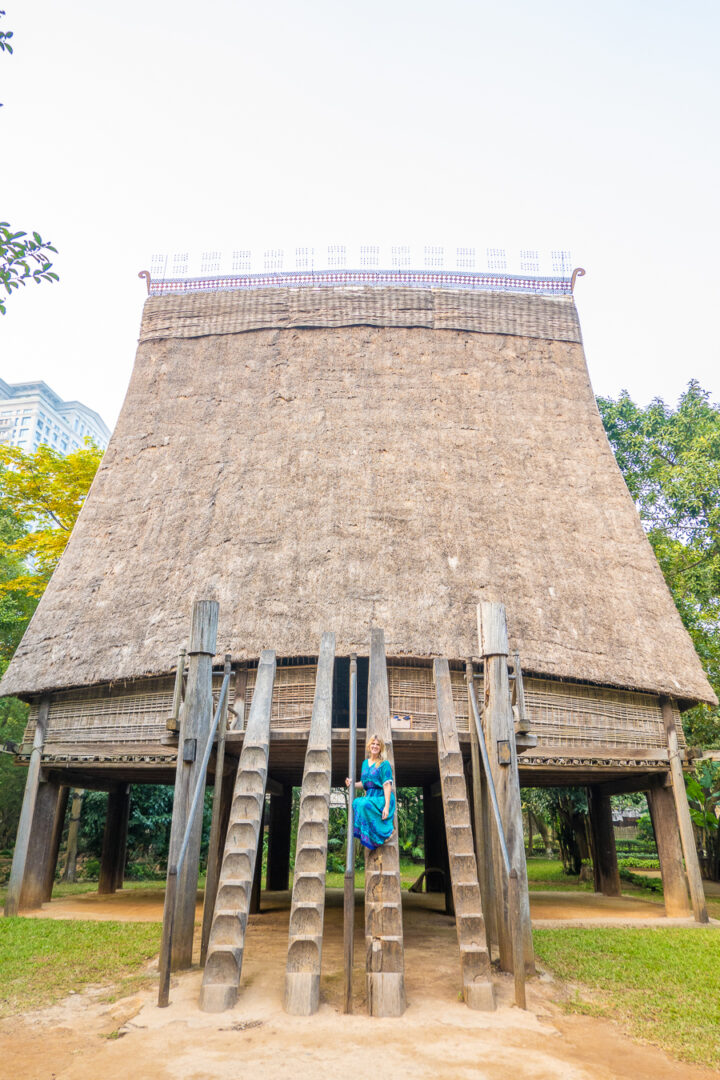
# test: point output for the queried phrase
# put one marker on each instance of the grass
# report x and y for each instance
(42, 960)
(662, 984)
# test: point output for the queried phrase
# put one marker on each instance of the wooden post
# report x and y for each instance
(27, 813)
(254, 908)
(687, 837)
(498, 724)
(117, 806)
(196, 720)
(124, 822)
(70, 870)
(482, 831)
(279, 827)
(604, 854)
(56, 837)
(433, 839)
(667, 837)
(42, 849)
(349, 878)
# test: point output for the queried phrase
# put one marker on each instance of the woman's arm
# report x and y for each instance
(357, 784)
(387, 788)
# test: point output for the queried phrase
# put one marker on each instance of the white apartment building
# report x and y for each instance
(32, 415)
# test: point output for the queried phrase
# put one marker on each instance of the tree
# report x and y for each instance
(43, 491)
(22, 258)
(40, 498)
(670, 459)
(703, 789)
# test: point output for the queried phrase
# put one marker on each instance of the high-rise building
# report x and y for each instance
(32, 415)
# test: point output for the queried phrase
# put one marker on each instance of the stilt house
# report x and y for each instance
(346, 469)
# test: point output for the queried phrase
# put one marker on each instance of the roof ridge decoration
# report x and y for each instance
(420, 279)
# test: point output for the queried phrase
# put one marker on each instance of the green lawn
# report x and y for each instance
(662, 984)
(42, 960)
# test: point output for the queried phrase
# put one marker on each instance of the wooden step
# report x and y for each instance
(385, 963)
(478, 990)
(307, 910)
(223, 966)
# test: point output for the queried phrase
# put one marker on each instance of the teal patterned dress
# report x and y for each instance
(370, 829)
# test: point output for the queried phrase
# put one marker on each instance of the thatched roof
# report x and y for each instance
(340, 458)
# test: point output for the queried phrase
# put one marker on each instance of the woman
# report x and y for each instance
(374, 815)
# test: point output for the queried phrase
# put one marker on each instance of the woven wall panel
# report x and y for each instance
(202, 314)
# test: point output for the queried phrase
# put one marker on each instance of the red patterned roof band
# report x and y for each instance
(419, 279)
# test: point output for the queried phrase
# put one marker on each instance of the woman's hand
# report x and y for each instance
(386, 811)
(347, 781)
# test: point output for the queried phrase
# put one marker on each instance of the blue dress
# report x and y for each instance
(370, 829)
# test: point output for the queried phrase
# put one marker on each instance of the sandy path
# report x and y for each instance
(438, 1038)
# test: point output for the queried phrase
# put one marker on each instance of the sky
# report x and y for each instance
(157, 126)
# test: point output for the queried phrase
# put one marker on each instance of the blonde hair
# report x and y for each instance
(371, 738)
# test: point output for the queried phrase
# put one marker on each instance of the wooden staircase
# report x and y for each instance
(302, 978)
(478, 990)
(383, 905)
(221, 977)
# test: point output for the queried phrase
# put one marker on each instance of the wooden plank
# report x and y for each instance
(349, 878)
(687, 836)
(27, 812)
(196, 720)
(661, 803)
(605, 865)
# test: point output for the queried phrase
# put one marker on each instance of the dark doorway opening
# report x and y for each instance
(341, 692)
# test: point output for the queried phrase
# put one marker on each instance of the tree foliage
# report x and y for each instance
(23, 258)
(43, 492)
(670, 459)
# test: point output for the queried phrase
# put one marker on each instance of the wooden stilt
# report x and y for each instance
(687, 837)
(256, 891)
(56, 837)
(22, 840)
(433, 842)
(39, 866)
(482, 833)
(124, 822)
(278, 860)
(661, 803)
(113, 839)
(500, 737)
(604, 853)
(70, 869)
(196, 720)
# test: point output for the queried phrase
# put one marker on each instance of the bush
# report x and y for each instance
(335, 864)
(417, 855)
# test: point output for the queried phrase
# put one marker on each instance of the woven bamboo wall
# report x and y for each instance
(563, 715)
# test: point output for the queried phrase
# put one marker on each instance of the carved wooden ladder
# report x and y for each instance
(302, 978)
(383, 905)
(474, 957)
(227, 936)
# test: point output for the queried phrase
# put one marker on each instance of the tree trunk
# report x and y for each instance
(70, 869)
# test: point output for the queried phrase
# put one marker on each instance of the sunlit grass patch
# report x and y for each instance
(663, 984)
(42, 960)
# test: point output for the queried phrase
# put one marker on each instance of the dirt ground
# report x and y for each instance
(439, 1038)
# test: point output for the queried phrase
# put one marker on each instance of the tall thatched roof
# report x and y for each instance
(345, 457)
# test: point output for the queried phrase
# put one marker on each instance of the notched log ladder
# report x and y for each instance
(474, 958)
(302, 978)
(227, 936)
(383, 905)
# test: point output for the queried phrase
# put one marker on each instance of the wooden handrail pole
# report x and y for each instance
(518, 938)
(349, 882)
(213, 864)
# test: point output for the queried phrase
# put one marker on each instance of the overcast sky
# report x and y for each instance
(153, 125)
